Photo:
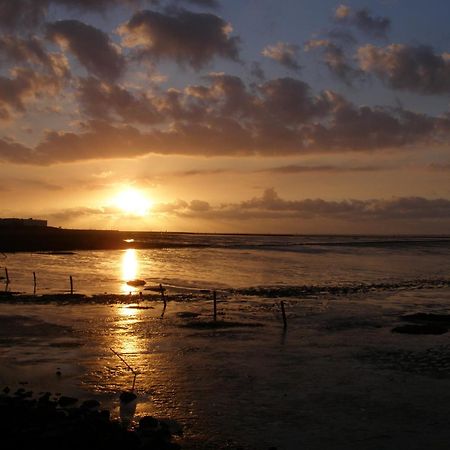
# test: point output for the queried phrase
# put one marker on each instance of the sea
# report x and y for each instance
(192, 262)
(331, 374)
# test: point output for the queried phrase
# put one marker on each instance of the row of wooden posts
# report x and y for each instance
(162, 291)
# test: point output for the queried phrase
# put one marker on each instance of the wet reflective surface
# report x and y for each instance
(328, 382)
(255, 386)
(187, 269)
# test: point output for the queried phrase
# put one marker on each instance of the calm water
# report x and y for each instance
(225, 262)
(254, 387)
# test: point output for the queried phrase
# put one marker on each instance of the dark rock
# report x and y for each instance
(90, 404)
(6, 390)
(149, 423)
(67, 401)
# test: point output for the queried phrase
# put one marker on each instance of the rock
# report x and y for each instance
(149, 423)
(90, 404)
(67, 401)
(6, 390)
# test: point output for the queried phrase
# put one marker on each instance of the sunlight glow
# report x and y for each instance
(130, 269)
(133, 202)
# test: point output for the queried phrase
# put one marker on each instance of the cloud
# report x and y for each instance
(23, 87)
(13, 151)
(203, 3)
(91, 46)
(22, 13)
(335, 59)
(189, 38)
(101, 100)
(417, 69)
(31, 184)
(362, 19)
(294, 169)
(284, 53)
(367, 128)
(28, 14)
(270, 204)
(225, 117)
(31, 52)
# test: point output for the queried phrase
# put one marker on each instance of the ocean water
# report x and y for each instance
(335, 378)
(196, 262)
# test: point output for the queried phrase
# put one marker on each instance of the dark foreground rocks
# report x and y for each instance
(27, 423)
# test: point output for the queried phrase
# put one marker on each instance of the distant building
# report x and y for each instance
(22, 223)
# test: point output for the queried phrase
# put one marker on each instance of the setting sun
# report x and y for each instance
(132, 202)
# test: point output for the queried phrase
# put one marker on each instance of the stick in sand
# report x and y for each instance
(128, 367)
(34, 283)
(215, 305)
(161, 289)
(7, 276)
(71, 285)
(283, 312)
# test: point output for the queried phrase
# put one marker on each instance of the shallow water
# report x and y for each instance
(231, 262)
(254, 386)
(328, 381)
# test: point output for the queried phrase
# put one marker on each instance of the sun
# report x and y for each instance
(133, 202)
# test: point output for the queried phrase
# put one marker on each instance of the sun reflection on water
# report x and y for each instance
(130, 269)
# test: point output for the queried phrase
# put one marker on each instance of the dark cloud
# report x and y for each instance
(22, 13)
(203, 3)
(100, 99)
(14, 151)
(23, 87)
(416, 69)
(296, 169)
(189, 38)
(285, 54)
(92, 47)
(367, 128)
(292, 102)
(271, 206)
(363, 20)
(28, 14)
(335, 59)
(256, 71)
(225, 117)
(31, 52)
(352, 210)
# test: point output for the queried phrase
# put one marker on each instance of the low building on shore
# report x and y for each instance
(22, 223)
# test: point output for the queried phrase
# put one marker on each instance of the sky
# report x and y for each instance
(236, 116)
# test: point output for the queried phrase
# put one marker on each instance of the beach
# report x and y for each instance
(362, 361)
(337, 377)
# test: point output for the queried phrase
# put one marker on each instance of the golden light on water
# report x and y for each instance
(129, 268)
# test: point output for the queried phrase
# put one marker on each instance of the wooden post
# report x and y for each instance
(6, 275)
(215, 305)
(161, 289)
(71, 285)
(163, 297)
(34, 283)
(284, 314)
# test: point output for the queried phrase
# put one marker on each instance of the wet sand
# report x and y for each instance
(338, 378)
